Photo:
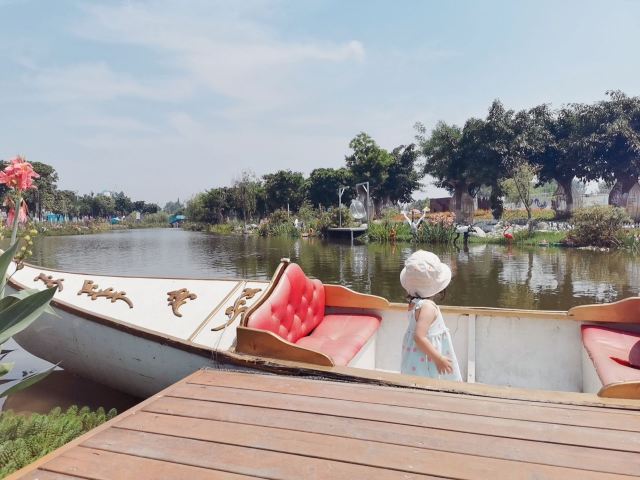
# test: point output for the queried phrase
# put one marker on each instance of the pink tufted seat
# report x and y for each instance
(295, 312)
(615, 353)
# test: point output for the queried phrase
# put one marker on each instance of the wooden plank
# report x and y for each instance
(44, 475)
(348, 450)
(544, 432)
(596, 417)
(416, 437)
(231, 458)
(630, 389)
(622, 311)
(339, 296)
(103, 465)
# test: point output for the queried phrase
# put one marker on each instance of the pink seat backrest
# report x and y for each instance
(294, 308)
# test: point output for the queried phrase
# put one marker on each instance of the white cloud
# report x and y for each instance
(98, 82)
(223, 49)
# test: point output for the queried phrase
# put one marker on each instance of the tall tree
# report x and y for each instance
(245, 191)
(323, 184)
(402, 176)
(284, 188)
(559, 158)
(369, 163)
(613, 146)
(123, 204)
(454, 158)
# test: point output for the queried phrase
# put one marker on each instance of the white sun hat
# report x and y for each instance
(424, 274)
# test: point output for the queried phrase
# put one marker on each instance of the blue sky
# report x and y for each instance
(164, 99)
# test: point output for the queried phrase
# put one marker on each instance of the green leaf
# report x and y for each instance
(23, 312)
(6, 258)
(5, 368)
(27, 381)
(24, 294)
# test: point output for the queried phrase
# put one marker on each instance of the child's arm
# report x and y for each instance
(425, 317)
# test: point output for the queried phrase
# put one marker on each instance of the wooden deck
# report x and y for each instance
(217, 424)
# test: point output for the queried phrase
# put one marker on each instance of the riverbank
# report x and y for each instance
(88, 228)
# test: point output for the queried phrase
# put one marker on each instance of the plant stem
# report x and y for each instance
(16, 218)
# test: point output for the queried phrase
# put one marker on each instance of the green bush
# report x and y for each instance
(24, 439)
(347, 219)
(599, 226)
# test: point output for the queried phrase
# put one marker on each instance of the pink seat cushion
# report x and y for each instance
(615, 353)
(341, 336)
(294, 308)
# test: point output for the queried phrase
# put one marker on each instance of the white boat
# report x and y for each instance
(140, 335)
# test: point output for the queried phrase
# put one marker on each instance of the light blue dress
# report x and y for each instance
(414, 361)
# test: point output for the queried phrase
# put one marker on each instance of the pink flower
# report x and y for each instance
(19, 174)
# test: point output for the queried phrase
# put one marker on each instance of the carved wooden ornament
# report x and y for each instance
(177, 298)
(49, 281)
(239, 307)
(91, 289)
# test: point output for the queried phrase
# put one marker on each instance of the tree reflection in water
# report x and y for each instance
(485, 275)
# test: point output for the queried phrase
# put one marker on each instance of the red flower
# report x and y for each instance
(19, 174)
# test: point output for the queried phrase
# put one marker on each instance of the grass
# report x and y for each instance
(522, 237)
(24, 439)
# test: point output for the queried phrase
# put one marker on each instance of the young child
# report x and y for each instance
(427, 348)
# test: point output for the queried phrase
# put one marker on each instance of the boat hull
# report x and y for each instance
(113, 357)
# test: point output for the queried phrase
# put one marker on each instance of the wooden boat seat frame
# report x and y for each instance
(266, 343)
(623, 312)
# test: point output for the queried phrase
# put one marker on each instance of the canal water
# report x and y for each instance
(484, 275)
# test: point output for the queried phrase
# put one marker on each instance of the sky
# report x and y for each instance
(163, 99)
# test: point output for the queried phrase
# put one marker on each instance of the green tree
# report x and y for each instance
(520, 186)
(66, 203)
(370, 163)
(122, 204)
(612, 146)
(323, 184)
(454, 158)
(559, 157)
(174, 208)
(103, 206)
(402, 176)
(284, 188)
(151, 208)
(245, 193)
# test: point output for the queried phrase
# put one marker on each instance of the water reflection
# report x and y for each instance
(484, 275)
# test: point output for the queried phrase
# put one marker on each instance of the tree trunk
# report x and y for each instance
(462, 204)
(568, 196)
(620, 191)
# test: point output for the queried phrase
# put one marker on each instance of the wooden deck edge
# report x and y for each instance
(391, 379)
(79, 440)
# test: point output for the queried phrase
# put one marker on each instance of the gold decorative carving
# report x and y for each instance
(49, 281)
(177, 298)
(91, 289)
(239, 307)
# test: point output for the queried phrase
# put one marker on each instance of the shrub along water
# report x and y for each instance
(436, 228)
(24, 439)
(599, 226)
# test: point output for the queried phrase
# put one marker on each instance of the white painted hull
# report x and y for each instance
(112, 357)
